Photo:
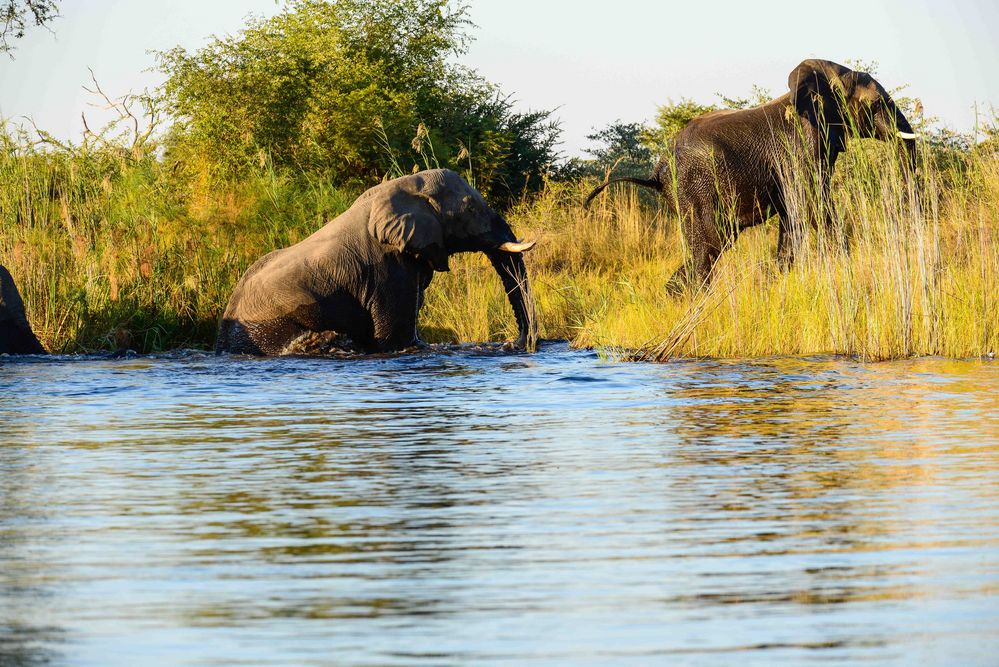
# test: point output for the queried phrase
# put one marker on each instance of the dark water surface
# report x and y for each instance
(476, 508)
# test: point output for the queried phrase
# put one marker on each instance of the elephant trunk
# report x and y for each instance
(512, 271)
(909, 146)
(894, 125)
(908, 138)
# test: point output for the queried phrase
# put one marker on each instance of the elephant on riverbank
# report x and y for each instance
(362, 277)
(16, 336)
(728, 170)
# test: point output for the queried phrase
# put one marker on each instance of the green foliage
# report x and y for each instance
(670, 119)
(757, 96)
(632, 149)
(17, 15)
(673, 116)
(340, 89)
(621, 150)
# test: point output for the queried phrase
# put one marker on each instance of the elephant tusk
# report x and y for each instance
(908, 135)
(519, 246)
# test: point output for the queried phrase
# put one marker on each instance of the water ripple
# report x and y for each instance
(468, 505)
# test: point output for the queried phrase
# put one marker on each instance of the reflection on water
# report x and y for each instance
(474, 507)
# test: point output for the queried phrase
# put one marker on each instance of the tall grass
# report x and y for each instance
(111, 250)
(919, 274)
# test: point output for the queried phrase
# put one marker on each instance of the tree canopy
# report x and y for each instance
(356, 90)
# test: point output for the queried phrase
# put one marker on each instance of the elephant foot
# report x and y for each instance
(677, 283)
(524, 343)
(321, 344)
(675, 288)
(414, 347)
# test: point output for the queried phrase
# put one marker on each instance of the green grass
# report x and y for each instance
(111, 251)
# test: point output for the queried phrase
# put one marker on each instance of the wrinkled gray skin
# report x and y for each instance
(16, 336)
(363, 275)
(730, 161)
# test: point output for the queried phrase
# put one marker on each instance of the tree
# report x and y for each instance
(342, 88)
(671, 118)
(17, 15)
(621, 149)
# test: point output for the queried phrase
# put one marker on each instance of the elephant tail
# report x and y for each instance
(651, 183)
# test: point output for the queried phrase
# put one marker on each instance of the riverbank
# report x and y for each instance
(111, 252)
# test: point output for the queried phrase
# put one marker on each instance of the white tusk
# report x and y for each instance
(908, 135)
(519, 246)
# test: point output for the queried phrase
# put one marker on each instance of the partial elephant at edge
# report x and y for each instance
(16, 336)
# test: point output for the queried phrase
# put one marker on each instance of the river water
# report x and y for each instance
(470, 507)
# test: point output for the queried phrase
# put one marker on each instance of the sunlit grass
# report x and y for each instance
(110, 252)
(920, 276)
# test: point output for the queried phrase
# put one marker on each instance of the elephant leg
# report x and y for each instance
(395, 317)
(704, 240)
(678, 282)
(788, 236)
(395, 331)
(786, 244)
(273, 337)
(270, 337)
(836, 230)
(706, 244)
(831, 236)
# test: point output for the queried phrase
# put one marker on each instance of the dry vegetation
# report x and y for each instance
(109, 252)
(920, 276)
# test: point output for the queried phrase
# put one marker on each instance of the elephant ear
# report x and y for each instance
(409, 223)
(816, 88)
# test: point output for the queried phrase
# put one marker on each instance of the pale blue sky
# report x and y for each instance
(594, 61)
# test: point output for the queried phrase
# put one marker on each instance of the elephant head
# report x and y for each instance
(434, 214)
(848, 103)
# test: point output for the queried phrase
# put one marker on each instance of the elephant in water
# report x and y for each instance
(16, 336)
(363, 275)
(728, 170)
